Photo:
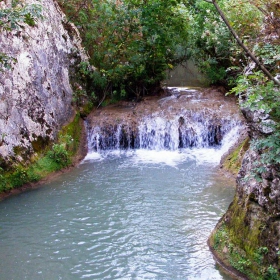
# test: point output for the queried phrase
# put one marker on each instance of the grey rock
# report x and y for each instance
(36, 93)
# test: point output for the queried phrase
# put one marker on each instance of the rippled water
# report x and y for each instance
(116, 217)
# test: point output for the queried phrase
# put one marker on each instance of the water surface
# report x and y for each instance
(119, 216)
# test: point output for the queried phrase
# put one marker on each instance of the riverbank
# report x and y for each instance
(75, 160)
(224, 265)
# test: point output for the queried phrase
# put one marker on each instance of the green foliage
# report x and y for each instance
(85, 97)
(3, 181)
(220, 236)
(259, 255)
(269, 54)
(210, 40)
(252, 265)
(239, 262)
(19, 177)
(213, 71)
(271, 274)
(131, 44)
(6, 62)
(70, 135)
(212, 45)
(235, 257)
(59, 155)
(247, 23)
(12, 18)
(263, 96)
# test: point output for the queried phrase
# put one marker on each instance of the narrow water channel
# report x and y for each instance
(130, 215)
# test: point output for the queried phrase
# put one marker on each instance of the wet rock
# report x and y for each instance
(198, 118)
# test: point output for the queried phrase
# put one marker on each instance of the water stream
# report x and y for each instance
(124, 213)
(117, 217)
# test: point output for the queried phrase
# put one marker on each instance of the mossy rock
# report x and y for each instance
(232, 163)
(43, 162)
(241, 242)
(40, 144)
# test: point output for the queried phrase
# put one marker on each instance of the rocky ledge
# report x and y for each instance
(247, 238)
(196, 117)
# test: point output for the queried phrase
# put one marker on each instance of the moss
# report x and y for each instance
(238, 241)
(86, 109)
(70, 135)
(232, 162)
(18, 150)
(41, 143)
(48, 159)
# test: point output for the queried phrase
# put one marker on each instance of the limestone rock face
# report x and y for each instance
(252, 222)
(36, 93)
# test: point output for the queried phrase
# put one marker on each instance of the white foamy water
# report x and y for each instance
(172, 157)
(93, 156)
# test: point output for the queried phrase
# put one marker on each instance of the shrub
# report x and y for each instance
(59, 155)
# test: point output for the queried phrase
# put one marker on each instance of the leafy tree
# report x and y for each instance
(213, 45)
(239, 41)
(210, 42)
(131, 43)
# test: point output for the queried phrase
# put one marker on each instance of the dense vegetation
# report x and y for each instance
(133, 43)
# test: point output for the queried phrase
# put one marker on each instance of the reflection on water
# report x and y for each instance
(116, 218)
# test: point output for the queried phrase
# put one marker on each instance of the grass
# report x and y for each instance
(56, 157)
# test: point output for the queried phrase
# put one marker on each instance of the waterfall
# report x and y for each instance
(158, 133)
(169, 129)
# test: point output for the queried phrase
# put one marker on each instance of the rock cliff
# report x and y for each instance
(247, 237)
(36, 94)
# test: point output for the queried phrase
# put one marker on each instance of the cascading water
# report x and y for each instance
(182, 125)
(158, 133)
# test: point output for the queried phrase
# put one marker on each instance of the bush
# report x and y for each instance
(271, 274)
(3, 181)
(60, 155)
(261, 95)
(19, 177)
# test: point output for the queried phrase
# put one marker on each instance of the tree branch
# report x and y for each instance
(239, 41)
